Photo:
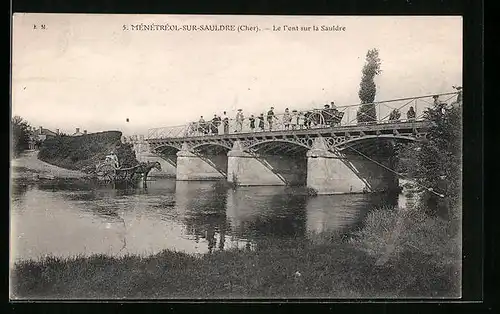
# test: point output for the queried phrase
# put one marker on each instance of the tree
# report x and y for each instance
(20, 135)
(126, 154)
(367, 88)
(437, 162)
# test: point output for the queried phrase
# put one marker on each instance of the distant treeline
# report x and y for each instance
(80, 152)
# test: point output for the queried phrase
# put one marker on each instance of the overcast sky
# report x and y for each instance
(85, 71)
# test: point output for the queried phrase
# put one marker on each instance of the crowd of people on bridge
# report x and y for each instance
(288, 120)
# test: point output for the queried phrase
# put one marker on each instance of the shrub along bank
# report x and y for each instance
(81, 152)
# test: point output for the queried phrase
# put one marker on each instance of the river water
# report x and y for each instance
(67, 218)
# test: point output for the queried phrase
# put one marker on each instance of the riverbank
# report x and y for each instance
(396, 254)
(28, 166)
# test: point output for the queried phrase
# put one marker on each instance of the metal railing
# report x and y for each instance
(307, 118)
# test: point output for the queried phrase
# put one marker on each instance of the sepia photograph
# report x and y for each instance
(219, 157)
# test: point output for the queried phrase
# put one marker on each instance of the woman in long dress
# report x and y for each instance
(294, 119)
(261, 122)
(252, 123)
(301, 120)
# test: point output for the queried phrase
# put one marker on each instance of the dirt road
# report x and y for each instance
(29, 166)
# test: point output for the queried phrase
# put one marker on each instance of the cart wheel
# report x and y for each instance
(107, 172)
(317, 118)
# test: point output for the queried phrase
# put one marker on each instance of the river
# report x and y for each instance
(71, 217)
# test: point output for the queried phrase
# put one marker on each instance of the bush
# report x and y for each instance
(437, 162)
(85, 151)
(20, 135)
(411, 231)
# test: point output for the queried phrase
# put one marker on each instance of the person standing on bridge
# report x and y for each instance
(307, 116)
(219, 122)
(458, 102)
(394, 115)
(327, 115)
(252, 123)
(215, 125)
(459, 95)
(225, 123)
(261, 122)
(410, 115)
(439, 104)
(301, 120)
(437, 101)
(294, 119)
(270, 117)
(239, 120)
(334, 113)
(202, 125)
(286, 119)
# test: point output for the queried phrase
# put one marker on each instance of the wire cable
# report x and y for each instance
(397, 173)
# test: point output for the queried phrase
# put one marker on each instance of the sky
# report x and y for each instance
(86, 71)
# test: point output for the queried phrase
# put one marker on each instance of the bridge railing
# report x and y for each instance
(391, 111)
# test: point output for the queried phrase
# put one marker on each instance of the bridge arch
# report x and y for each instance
(363, 139)
(167, 149)
(277, 146)
(207, 144)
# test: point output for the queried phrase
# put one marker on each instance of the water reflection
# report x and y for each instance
(204, 205)
(256, 212)
(336, 213)
(68, 218)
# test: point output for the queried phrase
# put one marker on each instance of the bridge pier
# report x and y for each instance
(250, 169)
(244, 169)
(327, 173)
(191, 167)
(335, 173)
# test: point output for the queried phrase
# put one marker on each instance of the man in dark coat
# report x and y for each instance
(270, 117)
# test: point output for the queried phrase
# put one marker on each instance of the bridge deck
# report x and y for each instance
(337, 130)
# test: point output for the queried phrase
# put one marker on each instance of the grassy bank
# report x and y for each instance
(421, 259)
(81, 152)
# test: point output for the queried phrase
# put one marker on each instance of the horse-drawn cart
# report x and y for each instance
(323, 117)
(108, 171)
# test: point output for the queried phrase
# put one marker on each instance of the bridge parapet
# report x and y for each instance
(298, 141)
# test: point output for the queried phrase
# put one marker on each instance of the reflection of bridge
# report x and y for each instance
(347, 157)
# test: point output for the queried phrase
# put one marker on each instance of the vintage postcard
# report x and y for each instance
(236, 157)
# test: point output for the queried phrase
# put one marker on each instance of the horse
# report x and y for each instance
(142, 169)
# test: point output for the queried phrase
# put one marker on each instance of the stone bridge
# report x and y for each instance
(336, 158)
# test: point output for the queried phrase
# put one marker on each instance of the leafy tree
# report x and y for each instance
(367, 88)
(20, 135)
(437, 162)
